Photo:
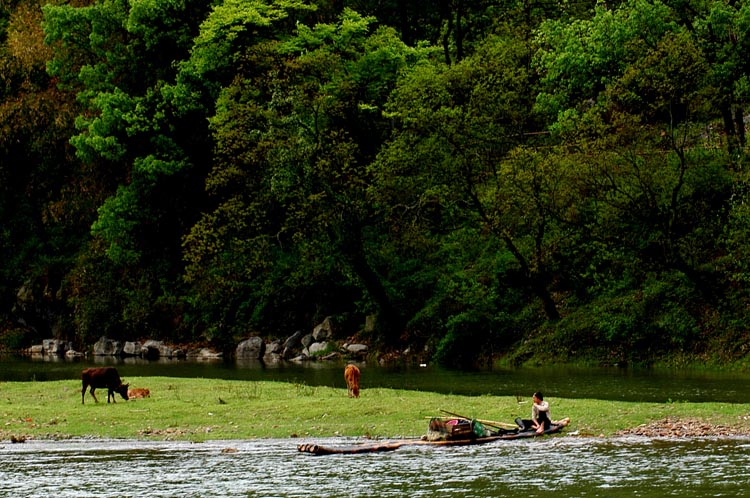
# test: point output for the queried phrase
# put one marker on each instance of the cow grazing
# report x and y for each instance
(105, 377)
(352, 374)
(139, 392)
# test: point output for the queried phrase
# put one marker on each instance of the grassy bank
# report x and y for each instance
(203, 409)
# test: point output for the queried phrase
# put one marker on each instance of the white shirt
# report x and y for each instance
(541, 407)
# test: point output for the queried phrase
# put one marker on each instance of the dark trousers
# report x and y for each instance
(543, 419)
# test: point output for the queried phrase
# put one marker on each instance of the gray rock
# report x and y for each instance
(274, 347)
(317, 347)
(292, 345)
(251, 348)
(151, 350)
(271, 358)
(166, 352)
(307, 340)
(107, 347)
(324, 330)
(55, 347)
(132, 348)
(356, 348)
(294, 341)
(206, 354)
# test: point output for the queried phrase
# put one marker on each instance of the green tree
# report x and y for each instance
(119, 58)
(454, 183)
(637, 112)
(43, 209)
(723, 32)
(295, 133)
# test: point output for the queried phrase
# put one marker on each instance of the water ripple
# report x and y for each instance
(564, 466)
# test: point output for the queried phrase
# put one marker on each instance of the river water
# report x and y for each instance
(562, 466)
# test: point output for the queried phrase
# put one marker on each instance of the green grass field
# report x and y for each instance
(205, 409)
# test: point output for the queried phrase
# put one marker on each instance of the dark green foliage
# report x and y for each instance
(14, 339)
(634, 325)
(483, 179)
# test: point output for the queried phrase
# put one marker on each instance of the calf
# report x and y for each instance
(139, 392)
(351, 374)
(103, 377)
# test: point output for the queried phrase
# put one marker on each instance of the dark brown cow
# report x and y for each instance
(351, 374)
(104, 377)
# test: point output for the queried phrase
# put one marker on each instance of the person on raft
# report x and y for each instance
(540, 419)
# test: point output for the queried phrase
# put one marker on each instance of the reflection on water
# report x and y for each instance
(563, 466)
(562, 382)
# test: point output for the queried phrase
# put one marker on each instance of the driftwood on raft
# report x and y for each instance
(317, 449)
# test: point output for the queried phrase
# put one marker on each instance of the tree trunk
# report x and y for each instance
(390, 321)
(739, 121)
(537, 282)
(459, 31)
(447, 37)
(726, 115)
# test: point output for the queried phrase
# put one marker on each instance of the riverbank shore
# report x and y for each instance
(197, 409)
(687, 427)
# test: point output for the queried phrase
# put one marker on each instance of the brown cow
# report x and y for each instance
(139, 392)
(352, 374)
(103, 377)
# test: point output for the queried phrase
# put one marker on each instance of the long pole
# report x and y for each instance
(499, 425)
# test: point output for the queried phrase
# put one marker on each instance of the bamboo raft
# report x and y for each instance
(504, 435)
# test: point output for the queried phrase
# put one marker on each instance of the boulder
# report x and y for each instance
(251, 348)
(358, 349)
(107, 347)
(317, 347)
(292, 345)
(324, 330)
(151, 350)
(274, 352)
(132, 348)
(294, 341)
(166, 351)
(55, 347)
(274, 347)
(206, 354)
(271, 358)
(307, 340)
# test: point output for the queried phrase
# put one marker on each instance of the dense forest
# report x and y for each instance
(527, 178)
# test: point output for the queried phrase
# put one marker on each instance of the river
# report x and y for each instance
(561, 466)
